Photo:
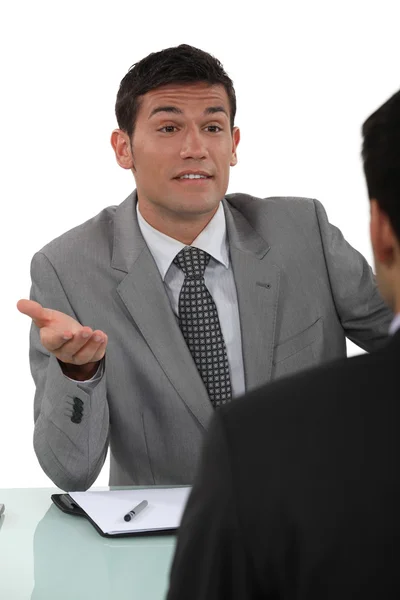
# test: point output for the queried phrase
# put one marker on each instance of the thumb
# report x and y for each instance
(35, 311)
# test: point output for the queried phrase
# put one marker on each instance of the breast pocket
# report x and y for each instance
(298, 342)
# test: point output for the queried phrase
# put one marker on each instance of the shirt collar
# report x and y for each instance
(395, 324)
(163, 248)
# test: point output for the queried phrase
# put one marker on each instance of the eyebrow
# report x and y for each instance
(210, 110)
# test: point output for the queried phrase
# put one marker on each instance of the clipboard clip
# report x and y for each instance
(65, 503)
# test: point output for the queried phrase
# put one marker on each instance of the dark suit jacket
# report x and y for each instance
(298, 495)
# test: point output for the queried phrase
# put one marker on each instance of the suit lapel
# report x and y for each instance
(257, 286)
(143, 294)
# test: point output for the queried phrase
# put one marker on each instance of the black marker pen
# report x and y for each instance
(132, 513)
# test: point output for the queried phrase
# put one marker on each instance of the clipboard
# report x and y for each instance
(65, 503)
(68, 505)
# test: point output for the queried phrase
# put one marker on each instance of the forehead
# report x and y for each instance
(187, 97)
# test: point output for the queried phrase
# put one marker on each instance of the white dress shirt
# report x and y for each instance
(395, 324)
(218, 278)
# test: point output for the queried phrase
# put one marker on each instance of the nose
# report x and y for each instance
(193, 145)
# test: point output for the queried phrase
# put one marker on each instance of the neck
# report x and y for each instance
(185, 228)
(390, 291)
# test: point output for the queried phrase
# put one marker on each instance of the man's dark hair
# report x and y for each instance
(179, 65)
(381, 156)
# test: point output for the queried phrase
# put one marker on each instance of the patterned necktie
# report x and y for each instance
(199, 323)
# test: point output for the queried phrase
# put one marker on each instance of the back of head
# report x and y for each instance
(182, 64)
(381, 156)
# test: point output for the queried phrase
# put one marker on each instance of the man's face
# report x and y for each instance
(183, 129)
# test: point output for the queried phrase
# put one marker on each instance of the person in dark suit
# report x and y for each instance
(298, 492)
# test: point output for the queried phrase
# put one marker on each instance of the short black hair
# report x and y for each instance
(179, 65)
(381, 158)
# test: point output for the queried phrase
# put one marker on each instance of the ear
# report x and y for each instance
(383, 239)
(235, 142)
(122, 148)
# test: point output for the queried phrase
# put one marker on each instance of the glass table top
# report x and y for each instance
(46, 554)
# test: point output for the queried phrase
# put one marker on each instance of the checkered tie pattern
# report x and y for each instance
(199, 323)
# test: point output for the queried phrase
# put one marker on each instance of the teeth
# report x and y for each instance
(192, 176)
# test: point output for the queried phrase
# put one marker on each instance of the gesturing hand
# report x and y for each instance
(78, 348)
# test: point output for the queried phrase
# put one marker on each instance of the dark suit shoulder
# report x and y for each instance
(327, 393)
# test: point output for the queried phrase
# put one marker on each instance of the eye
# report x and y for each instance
(213, 128)
(167, 128)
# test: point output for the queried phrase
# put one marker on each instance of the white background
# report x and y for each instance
(306, 74)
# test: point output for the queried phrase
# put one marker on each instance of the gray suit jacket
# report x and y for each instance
(301, 289)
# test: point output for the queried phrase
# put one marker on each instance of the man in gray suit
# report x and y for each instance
(181, 298)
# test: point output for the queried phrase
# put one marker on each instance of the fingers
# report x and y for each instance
(83, 347)
(85, 355)
(35, 311)
(54, 340)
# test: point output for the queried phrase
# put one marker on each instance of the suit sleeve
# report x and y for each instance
(364, 316)
(71, 418)
(210, 561)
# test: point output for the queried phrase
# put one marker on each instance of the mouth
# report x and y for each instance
(194, 178)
